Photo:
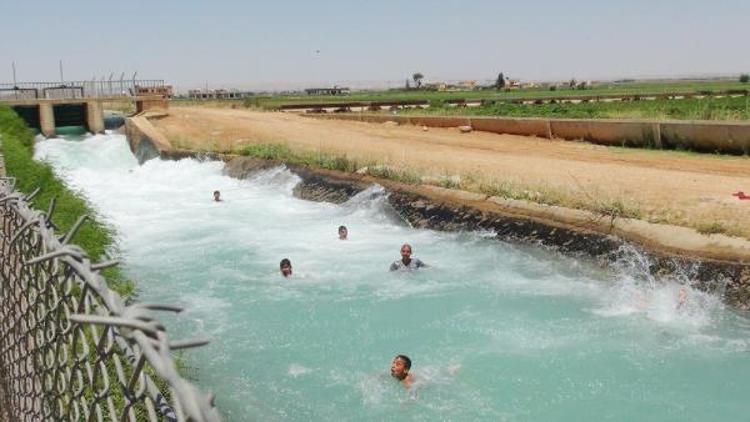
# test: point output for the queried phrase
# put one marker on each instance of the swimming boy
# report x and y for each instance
(343, 233)
(400, 367)
(286, 267)
(217, 196)
(407, 263)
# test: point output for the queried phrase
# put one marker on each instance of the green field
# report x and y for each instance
(727, 108)
(628, 88)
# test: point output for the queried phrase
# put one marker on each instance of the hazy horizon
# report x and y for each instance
(293, 44)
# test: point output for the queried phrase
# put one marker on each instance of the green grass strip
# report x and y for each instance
(95, 237)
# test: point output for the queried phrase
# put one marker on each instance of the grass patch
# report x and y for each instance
(610, 208)
(96, 238)
(617, 209)
(543, 195)
(709, 228)
(328, 161)
(269, 152)
(450, 183)
(392, 173)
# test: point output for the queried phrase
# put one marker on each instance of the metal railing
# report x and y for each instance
(71, 348)
(81, 89)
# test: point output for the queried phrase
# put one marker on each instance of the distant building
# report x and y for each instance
(436, 86)
(444, 86)
(467, 85)
(336, 90)
(217, 94)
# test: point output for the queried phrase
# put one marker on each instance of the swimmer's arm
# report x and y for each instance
(394, 267)
(421, 264)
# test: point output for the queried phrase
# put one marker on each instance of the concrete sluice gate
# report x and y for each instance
(495, 330)
(70, 114)
(29, 114)
(47, 116)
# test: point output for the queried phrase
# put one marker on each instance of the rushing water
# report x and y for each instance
(496, 331)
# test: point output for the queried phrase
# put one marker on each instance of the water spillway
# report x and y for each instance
(496, 331)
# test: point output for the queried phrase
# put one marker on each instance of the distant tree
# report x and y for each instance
(407, 86)
(553, 87)
(744, 78)
(572, 83)
(500, 83)
(418, 79)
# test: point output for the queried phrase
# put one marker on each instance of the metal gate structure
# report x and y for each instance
(93, 88)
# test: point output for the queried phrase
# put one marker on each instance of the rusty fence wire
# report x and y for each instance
(71, 348)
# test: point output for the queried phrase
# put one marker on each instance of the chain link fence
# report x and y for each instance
(72, 349)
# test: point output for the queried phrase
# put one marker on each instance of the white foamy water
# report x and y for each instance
(496, 331)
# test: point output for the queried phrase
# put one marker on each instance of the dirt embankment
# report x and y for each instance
(692, 190)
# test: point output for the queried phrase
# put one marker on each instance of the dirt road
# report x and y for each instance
(671, 187)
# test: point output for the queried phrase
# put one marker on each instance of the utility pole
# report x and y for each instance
(15, 84)
(62, 79)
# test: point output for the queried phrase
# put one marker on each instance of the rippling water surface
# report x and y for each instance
(496, 331)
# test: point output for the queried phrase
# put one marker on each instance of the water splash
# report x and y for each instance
(672, 300)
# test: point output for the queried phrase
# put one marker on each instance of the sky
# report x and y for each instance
(277, 44)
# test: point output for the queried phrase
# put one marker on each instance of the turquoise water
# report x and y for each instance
(496, 331)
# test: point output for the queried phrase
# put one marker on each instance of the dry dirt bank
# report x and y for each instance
(677, 188)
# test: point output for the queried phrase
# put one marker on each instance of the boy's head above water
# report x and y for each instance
(400, 367)
(286, 267)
